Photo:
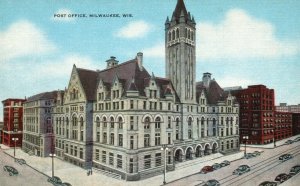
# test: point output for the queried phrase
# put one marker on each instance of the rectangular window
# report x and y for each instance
(147, 140)
(97, 154)
(104, 137)
(103, 156)
(131, 165)
(160, 106)
(98, 137)
(75, 151)
(169, 138)
(147, 162)
(119, 161)
(81, 153)
(131, 142)
(157, 159)
(131, 123)
(67, 148)
(169, 106)
(145, 105)
(157, 138)
(71, 149)
(121, 140)
(111, 158)
(131, 104)
(169, 122)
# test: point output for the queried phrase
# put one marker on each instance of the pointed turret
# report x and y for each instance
(180, 9)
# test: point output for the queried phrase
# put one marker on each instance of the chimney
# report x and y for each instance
(139, 58)
(206, 79)
(111, 62)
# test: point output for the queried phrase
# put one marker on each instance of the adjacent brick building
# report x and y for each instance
(283, 125)
(256, 113)
(12, 122)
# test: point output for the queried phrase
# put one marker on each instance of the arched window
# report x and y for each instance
(169, 36)
(97, 122)
(157, 123)
(112, 122)
(120, 123)
(104, 122)
(190, 122)
(192, 36)
(177, 33)
(173, 35)
(147, 123)
(231, 120)
(190, 133)
(202, 121)
(214, 122)
(81, 128)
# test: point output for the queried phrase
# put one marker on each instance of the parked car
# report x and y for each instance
(256, 153)
(296, 139)
(212, 182)
(225, 163)
(282, 177)
(241, 170)
(295, 170)
(285, 157)
(206, 169)
(216, 166)
(54, 180)
(249, 155)
(21, 161)
(268, 183)
(11, 170)
(289, 142)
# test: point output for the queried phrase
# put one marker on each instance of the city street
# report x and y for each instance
(26, 174)
(263, 168)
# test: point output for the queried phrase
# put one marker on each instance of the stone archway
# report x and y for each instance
(189, 153)
(206, 149)
(198, 151)
(178, 155)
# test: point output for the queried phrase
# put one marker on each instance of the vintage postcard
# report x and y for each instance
(136, 92)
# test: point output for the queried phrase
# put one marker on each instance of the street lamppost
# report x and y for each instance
(15, 140)
(52, 156)
(274, 140)
(245, 139)
(165, 149)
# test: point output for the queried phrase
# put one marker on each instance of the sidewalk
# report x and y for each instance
(78, 176)
(270, 145)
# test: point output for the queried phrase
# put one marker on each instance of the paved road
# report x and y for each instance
(263, 168)
(27, 176)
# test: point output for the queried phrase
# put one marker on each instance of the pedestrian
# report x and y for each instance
(88, 173)
(91, 171)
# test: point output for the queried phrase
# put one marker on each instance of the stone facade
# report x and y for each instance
(38, 131)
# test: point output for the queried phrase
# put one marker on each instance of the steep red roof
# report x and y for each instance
(213, 92)
(88, 79)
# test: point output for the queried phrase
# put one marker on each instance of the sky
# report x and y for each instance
(240, 42)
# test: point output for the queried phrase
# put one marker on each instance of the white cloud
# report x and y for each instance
(135, 29)
(21, 39)
(230, 81)
(63, 15)
(62, 67)
(155, 51)
(241, 36)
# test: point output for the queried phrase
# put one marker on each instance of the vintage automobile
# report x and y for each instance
(268, 183)
(11, 170)
(241, 170)
(55, 180)
(212, 182)
(285, 157)
(216, 166)
(206, 169)
(21, 161)
(282, 177)
(256, 153)
(295, 170)
(289, 142)
(249, 155)
(225, 163)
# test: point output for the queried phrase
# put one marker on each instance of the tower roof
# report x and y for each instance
(179, 10)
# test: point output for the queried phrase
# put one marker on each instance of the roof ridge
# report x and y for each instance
(124, 63)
